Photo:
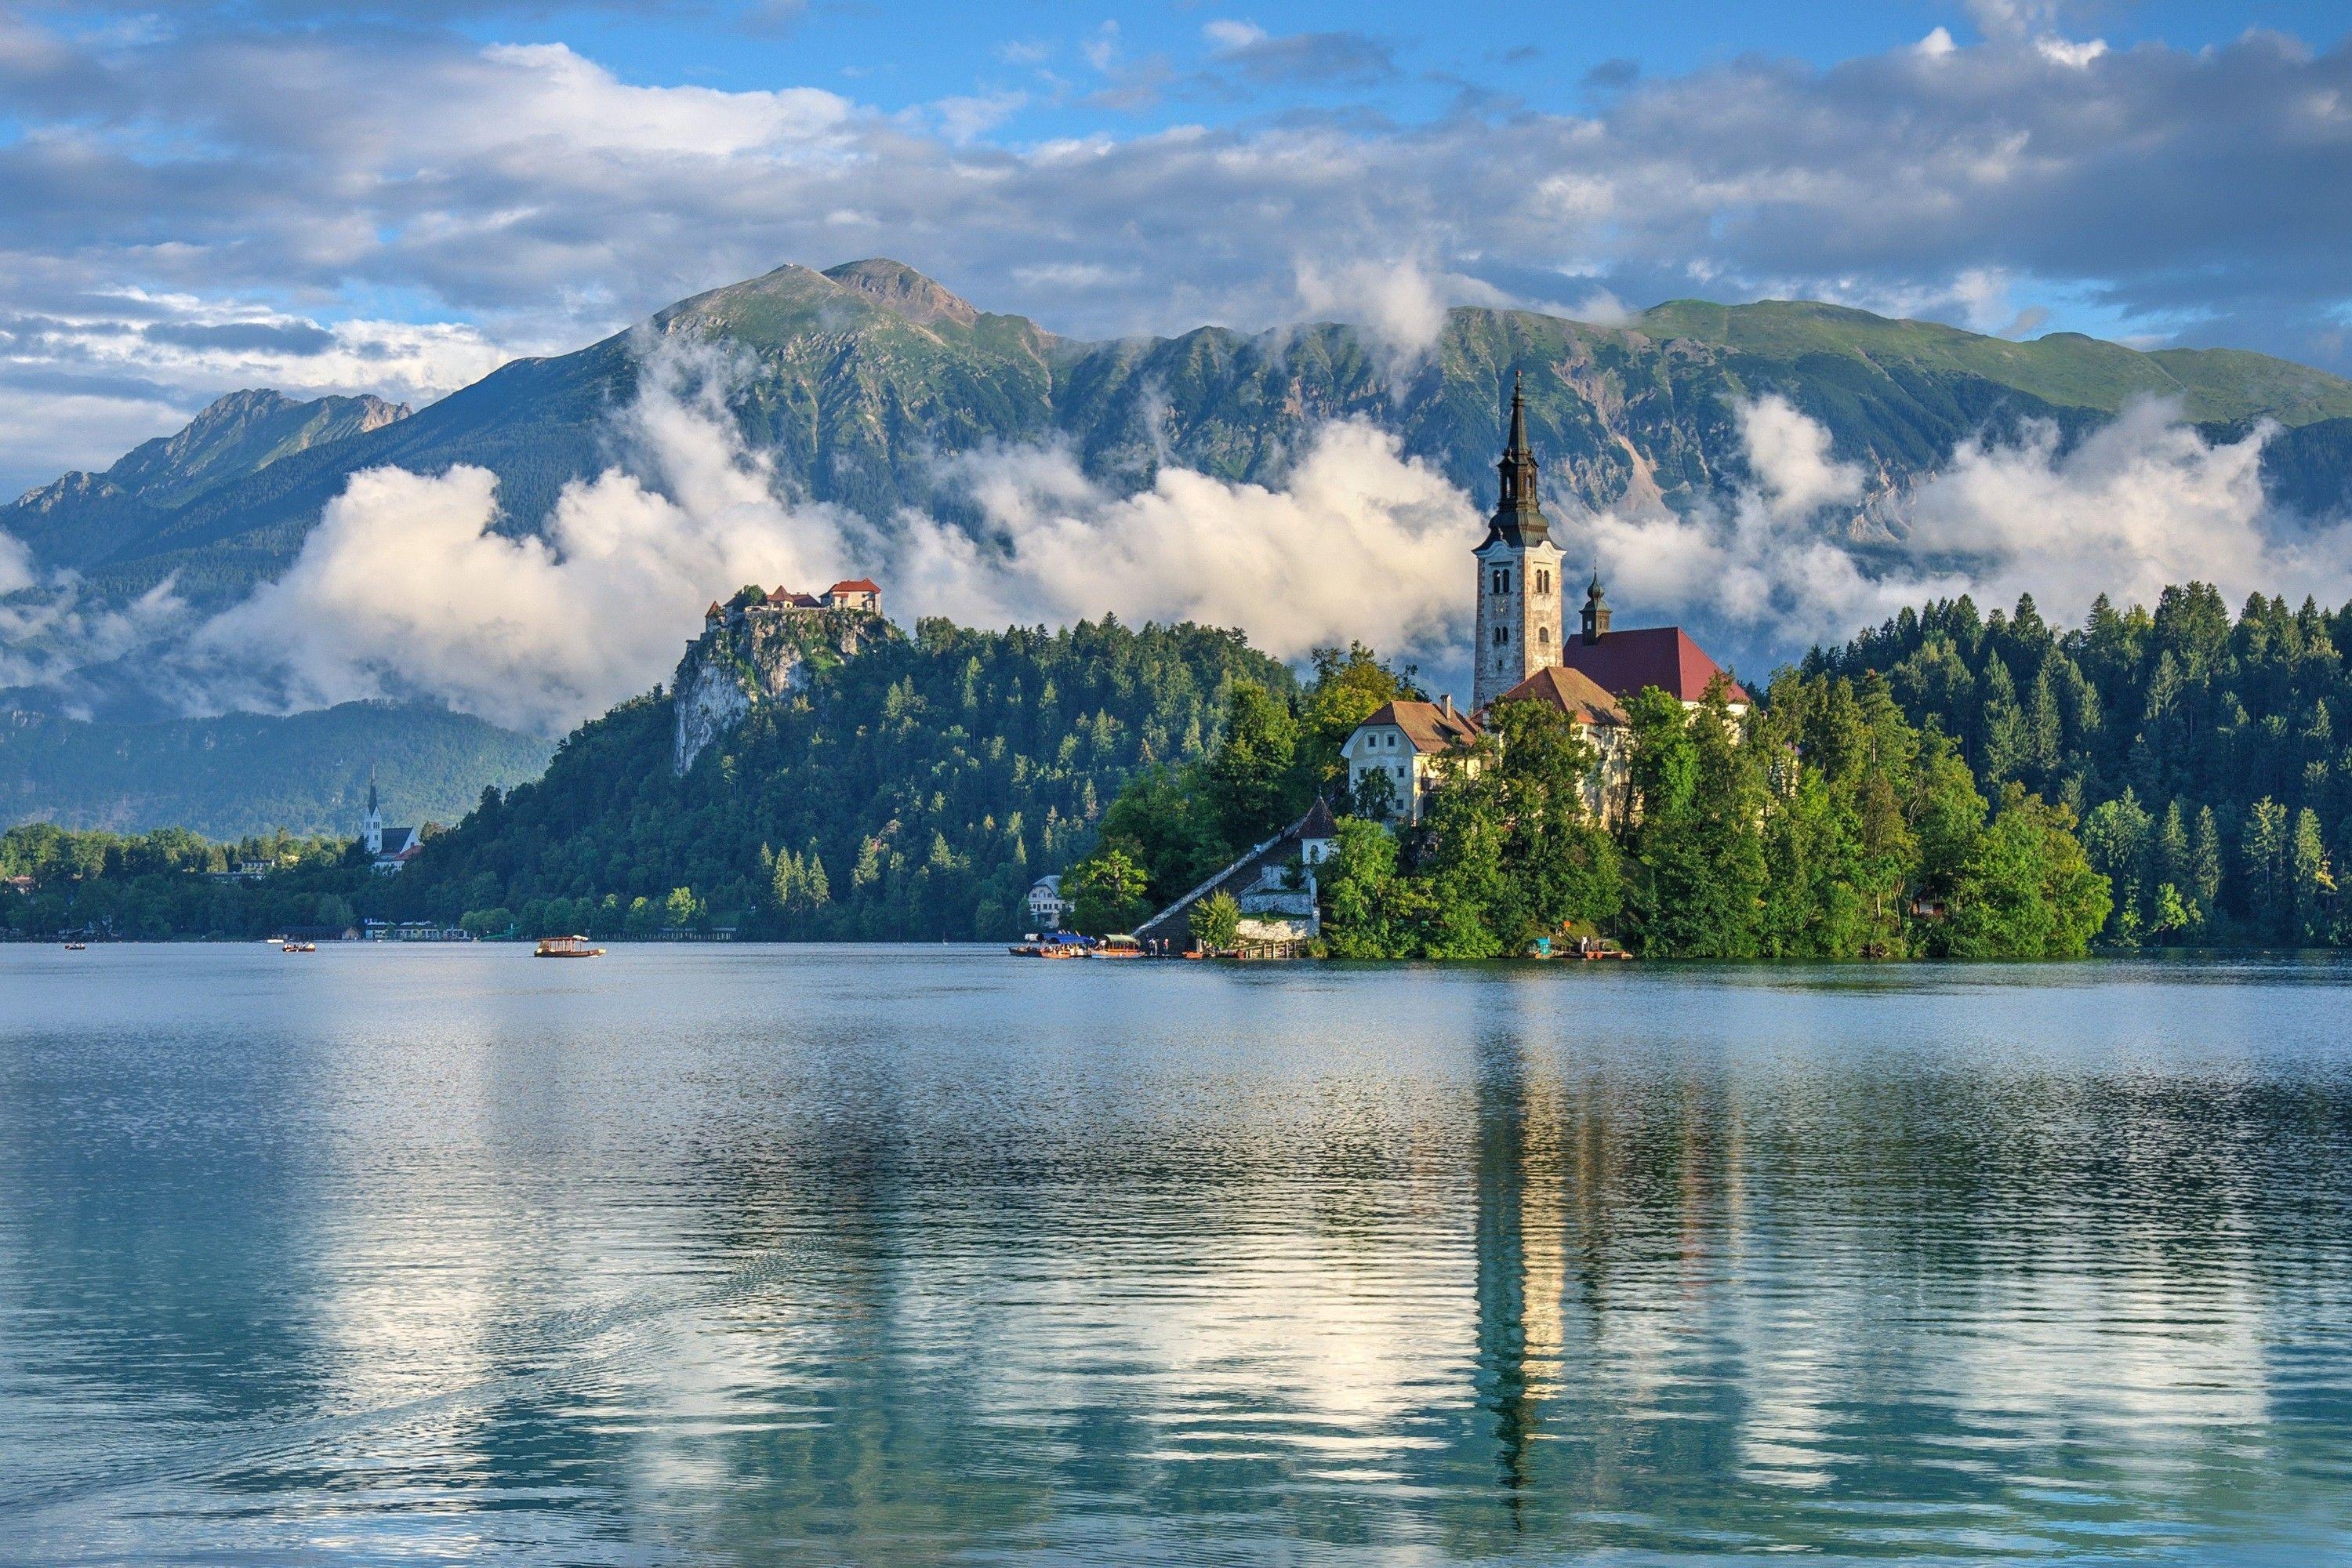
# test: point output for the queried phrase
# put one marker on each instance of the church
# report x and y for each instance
(1522, 652)
(388, 848)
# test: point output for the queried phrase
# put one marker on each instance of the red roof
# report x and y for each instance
(1622, 663)
(1571, 691)
(856, 585)
(1426, 725)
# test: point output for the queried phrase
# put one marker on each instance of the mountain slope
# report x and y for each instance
(249, 773)
(84, 517)
(858, 380)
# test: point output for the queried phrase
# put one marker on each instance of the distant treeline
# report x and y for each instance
(2199, 752)
(171, 883)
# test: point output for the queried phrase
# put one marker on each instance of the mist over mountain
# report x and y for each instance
(856, 385)
(532, 550)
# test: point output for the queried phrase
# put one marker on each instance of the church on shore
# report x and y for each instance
(1524, 652)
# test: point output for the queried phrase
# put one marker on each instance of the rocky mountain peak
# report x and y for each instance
(903, 291)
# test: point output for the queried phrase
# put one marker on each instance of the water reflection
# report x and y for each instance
(809, 1256)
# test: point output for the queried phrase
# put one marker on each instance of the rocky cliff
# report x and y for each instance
(758, 654)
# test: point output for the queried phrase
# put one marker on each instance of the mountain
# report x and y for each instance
(248, 772)
(83, 517)
(858, 380)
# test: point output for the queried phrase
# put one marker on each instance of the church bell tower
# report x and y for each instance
(372, 824)
(1519, 575)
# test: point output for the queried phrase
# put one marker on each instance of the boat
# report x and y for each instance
(566, 947)
(77, 947)
(1118, 947)
(301, 947)
(1050, 944)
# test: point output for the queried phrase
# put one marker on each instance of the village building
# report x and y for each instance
(388, 848)
(1047, 905)
(1403, 740)
(1274, 883)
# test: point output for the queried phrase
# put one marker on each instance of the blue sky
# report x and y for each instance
(340, 197)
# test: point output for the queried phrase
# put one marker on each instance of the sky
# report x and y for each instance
(349, 197)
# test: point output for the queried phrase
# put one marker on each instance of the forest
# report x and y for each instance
(1824, 825)
(1951, 782)
(912, 793)
(2197, 751)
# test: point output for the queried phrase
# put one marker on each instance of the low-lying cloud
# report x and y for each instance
(408, 586)
(2140, 503)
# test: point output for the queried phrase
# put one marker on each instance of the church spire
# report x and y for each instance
(1518, 516)
(1596, 611)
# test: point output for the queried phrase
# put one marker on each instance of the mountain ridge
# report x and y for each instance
(854, 381)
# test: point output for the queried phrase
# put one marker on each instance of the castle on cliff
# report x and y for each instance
(755, 647)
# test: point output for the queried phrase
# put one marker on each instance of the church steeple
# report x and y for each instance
(1596, 611)
(1518, 516)
(1519, 628)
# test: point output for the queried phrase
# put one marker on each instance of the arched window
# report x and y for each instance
(1543, 637)
(1502, 581)
(1502, 635)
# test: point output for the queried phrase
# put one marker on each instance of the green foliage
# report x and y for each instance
(914, 791)
(1821, 825)
(1106, 893)
(2200, 751)
(170, 882)
(1215, 923)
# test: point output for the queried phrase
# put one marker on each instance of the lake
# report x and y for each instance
(750, 1254)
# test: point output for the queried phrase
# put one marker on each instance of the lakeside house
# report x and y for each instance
(1047, 905)
(1274, 884)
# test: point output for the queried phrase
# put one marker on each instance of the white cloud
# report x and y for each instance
(406, 586)
(1360, 542)
(2136, 505)
(1788, 456)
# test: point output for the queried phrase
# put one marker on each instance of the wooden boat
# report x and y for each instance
(566, 947)
(77, 947)
(301, 947)
(1118, 947)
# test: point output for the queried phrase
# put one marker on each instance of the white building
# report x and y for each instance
(1404, 741)
(1047, 905)
(390, 848)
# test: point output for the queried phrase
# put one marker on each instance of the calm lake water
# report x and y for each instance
(811, 1256)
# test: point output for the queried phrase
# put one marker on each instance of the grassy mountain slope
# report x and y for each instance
(858, 380)
(249, 773)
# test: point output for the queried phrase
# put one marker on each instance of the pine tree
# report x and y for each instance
(2312, 885)
(2000, 739)
(2263, 869)
(2205, 861)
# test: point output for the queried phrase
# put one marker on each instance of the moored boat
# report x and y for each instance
(566, 947)
(1118, 947)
